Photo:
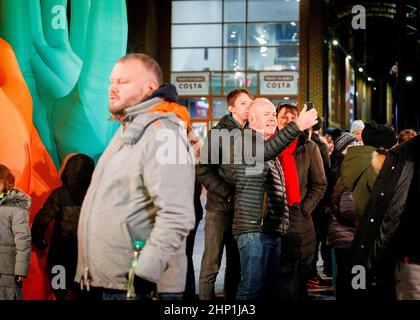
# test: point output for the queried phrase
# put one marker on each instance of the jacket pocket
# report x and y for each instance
(126, 234)
(133, 231)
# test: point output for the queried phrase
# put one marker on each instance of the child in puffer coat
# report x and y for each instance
(15, 236)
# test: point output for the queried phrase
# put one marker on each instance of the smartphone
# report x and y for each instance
(309, 106)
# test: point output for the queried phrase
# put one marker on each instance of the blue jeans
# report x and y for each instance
(260, 265)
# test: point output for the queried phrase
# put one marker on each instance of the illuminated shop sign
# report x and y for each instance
(279, 83)
(191, 84)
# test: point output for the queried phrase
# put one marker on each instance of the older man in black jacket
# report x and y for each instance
(260, 212)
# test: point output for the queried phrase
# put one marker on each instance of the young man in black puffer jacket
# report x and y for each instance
(219, 206)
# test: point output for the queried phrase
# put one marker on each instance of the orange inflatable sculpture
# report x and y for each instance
(22, 151)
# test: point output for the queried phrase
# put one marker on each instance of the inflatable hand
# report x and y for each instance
(68, 78)
(22, 151)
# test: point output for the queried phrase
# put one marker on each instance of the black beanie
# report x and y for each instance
(378, 135)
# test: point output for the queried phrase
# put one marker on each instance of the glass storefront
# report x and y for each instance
(234, 41)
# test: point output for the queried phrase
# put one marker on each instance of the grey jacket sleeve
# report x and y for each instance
(280, 141)
(317, 182)
(171, 188)
(22, 237)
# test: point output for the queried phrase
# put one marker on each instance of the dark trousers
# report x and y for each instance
(344, 290)
(320, 220)
(217, 235)
(293, 280)
(189, 293)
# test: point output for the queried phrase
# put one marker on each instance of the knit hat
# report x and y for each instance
(378, 135)
(341, 143)
(357, 125)
(333, 132)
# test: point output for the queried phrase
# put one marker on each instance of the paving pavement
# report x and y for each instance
(320, 293)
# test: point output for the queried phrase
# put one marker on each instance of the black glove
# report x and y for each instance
(39, 243)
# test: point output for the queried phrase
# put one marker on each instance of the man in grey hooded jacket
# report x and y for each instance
(142, 189)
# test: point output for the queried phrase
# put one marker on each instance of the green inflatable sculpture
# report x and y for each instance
(67, 70)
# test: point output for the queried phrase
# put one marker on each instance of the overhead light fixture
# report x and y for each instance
(349, 57)
(370, 79)
(293, 23)
(408, 78)
(261, 40)
(374, 88)
(335, 43)
(360, 69)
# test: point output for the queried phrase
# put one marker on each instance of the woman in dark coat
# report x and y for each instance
(64, 205)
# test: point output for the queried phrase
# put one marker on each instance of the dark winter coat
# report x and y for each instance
(63, 205)
(390, 225)
(359, 175)
(213, 177)
(252, 183)
(312, 183)
(342, 218)
(15, 241)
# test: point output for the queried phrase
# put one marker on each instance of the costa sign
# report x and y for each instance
(279, 83)
(191, 84)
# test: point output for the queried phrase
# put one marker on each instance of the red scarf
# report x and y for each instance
(288, 164)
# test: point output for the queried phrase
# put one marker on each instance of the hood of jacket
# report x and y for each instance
(166, 92)
(16, 198)
(357, 160)
(162, 101)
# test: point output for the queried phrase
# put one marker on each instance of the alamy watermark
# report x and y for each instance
(58, 280)
(235, 147)
(359, 18)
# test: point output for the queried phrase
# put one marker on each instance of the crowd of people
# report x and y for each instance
(280, 192)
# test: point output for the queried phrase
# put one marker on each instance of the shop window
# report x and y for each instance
(198, 107)
(269, 58)
(272, 34)
(234, 59)
(200, 59)
(197, 11)
(273, 10)
(234, 34)
(219, 108)
(197, 35)
(252, 82)
(216, 83)
(232, 81)
(234, 10)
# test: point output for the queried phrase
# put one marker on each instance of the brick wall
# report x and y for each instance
(311, 53)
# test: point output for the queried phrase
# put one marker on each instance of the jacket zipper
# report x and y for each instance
(86, 279)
